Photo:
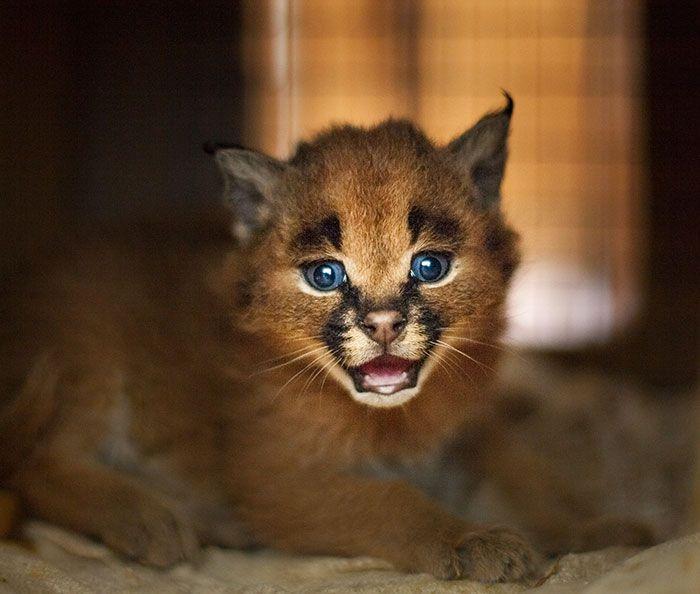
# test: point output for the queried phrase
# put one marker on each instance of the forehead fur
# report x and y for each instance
(360, 160)
(372, 182)
(398, 138)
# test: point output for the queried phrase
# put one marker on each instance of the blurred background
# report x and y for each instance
(105, 106)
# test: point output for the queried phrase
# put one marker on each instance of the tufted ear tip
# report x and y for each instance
(481, 153)
(510, 104)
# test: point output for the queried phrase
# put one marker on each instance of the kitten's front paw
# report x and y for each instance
(148, 530)
(491, 555)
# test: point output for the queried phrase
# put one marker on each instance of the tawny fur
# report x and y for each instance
(151, 399)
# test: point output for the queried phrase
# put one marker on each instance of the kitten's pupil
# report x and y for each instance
(429, 268)
(324, 275)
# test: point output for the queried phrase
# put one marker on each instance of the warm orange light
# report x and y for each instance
(574, 186)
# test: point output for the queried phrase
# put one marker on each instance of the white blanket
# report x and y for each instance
(57, 561)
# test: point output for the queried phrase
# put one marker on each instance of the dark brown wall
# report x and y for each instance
(37, 140)
(670, 341)
(105, 106)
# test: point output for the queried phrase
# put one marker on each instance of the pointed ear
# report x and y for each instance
(481, 153)
(250, 178)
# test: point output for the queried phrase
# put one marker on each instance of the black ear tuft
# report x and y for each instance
(250, 179)
(510, 104)
(481, 152)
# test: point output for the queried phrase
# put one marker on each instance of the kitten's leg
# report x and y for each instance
(559, 519)
(109, 505)
(343, 515)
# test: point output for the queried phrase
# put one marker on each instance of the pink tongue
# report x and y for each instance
(386, 366)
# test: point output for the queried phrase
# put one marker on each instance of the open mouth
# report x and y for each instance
(385, 374)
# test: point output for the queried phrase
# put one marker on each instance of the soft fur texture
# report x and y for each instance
(164, 390)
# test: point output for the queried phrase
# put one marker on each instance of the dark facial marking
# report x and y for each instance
(333, 331)
(335, 327)
(429, 319)
(443, 228)
(328, 230)
(416, 222)
(432, 322)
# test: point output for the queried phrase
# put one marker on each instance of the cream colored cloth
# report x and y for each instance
(65, 563)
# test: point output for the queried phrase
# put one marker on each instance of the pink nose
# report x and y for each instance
(384, 326)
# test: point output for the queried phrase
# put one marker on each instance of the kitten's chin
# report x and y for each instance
(385, 400)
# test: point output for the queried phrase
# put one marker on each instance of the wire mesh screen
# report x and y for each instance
(575, 181)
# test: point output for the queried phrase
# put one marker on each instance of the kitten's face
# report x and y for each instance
(376, 257)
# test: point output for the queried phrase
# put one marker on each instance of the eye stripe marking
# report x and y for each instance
(443, 228)
(327, 230)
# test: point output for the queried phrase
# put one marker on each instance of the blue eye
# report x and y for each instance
(429, 268)
(325, 276)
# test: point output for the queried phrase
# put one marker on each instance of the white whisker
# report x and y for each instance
(297, 358)
(438, 360)
(298, 373)
(454, 365)
(289, 354)
(328, 371)
(314, 375)
(479, 363)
